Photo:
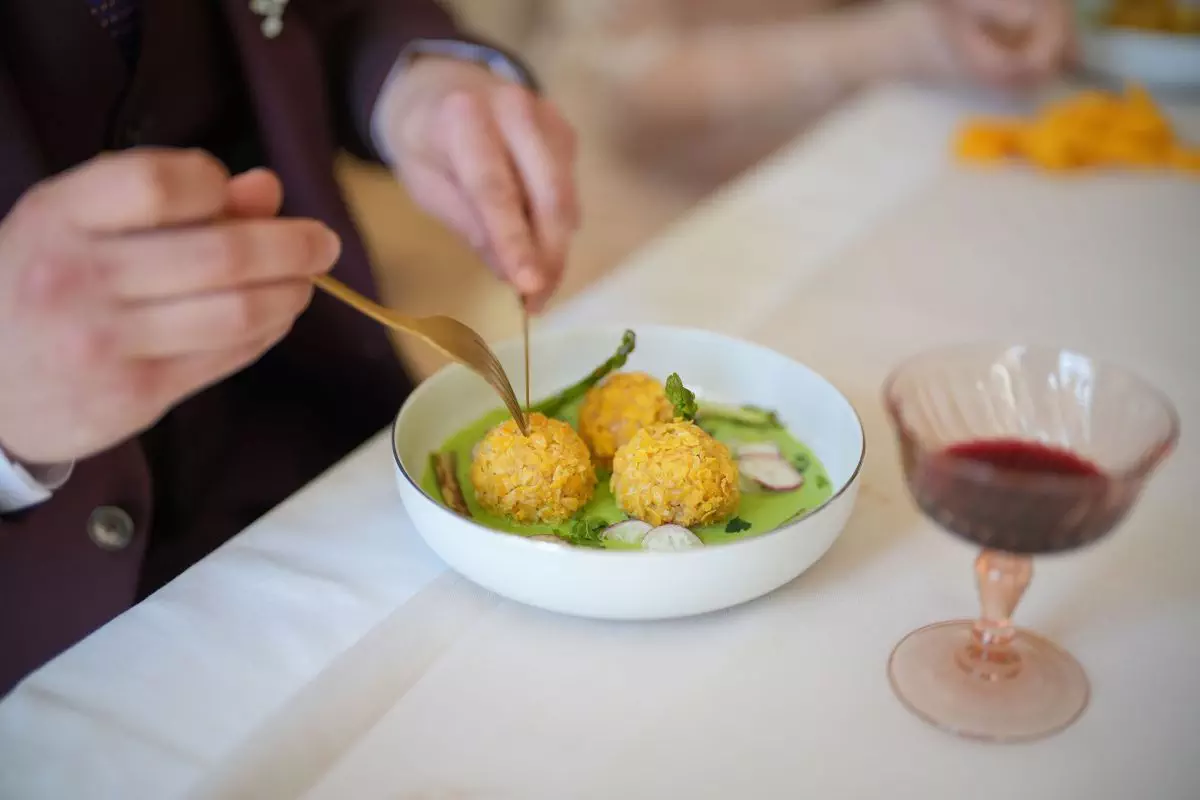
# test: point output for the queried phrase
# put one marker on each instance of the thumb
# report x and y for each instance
(254, 193)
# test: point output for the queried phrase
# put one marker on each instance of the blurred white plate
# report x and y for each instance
(635, 584)
(1158, 60)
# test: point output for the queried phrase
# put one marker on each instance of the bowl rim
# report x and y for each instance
(1136, 472)
(590, 552)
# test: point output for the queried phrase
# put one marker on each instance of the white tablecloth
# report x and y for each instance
(326, 653)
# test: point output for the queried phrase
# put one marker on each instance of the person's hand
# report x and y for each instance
(1010, 42)
(490, 159)
(133, 281)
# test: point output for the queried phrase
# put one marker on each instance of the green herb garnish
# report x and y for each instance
(681, 397)
(748, 416)
(585, 532)
(822, 482)
(552, 406)
(801, 461)
(737, 525)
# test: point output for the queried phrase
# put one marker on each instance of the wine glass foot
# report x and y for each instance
(1043, 695)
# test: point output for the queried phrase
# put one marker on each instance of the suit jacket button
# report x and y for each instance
(110, 528)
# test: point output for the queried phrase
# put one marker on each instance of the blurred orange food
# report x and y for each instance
(1088, 130)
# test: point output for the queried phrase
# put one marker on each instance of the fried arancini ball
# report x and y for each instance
(674, 472)
(617, 408)
(545, 477)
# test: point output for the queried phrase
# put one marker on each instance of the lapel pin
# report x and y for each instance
(272, 13)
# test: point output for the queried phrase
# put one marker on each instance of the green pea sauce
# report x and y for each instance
(763, 511)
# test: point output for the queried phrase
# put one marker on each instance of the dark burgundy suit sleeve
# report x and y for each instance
(361, 41)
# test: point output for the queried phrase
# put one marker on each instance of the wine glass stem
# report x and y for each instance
(1002, 579)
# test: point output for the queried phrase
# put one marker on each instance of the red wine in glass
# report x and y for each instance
(1018, 496)
(1022, 451)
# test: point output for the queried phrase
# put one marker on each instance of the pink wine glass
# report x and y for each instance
(1020, 450)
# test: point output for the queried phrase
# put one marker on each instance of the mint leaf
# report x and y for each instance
(737, 525)
(681, 397)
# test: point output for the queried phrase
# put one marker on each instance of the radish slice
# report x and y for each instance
(671, 537)
(547, 537)
(630, 531)
(758, 449)
(771, 472)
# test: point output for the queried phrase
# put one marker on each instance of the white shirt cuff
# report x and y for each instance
(22, 487)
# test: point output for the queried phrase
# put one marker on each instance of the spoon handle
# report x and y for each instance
(384, 316)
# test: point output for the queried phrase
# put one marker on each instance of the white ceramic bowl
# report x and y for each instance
(1158, 60)
(634, 584)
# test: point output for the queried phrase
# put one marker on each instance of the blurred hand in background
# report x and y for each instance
(1009, 42)
(703, 88)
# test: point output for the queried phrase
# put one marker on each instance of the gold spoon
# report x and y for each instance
(525, 335)
(448, 335)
